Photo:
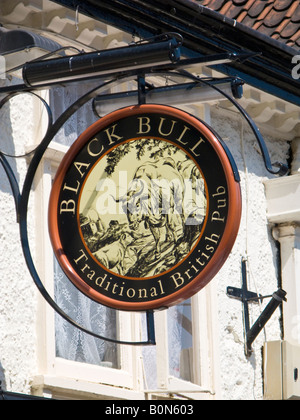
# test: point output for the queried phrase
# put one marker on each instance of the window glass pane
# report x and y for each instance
(61, 98)
(180, 341)
(149, 354)
(73, 344)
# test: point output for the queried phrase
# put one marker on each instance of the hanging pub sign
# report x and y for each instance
(145, 208)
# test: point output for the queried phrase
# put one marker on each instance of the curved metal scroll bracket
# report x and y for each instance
(13, 182)
(282, 168)
(3, 156)
(22, 200)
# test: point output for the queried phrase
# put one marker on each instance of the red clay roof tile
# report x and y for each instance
(282, 4)
(279, 19)
(296, 15)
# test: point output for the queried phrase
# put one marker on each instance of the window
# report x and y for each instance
(180, 341)
(185, 358)
(76, 363)
(73, 344)
(182, 361)
(65, 351)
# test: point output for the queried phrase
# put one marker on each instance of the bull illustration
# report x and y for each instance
(155, 197)
(112, 256)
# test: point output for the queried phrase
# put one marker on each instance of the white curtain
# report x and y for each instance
(180, 341)
(71, 343)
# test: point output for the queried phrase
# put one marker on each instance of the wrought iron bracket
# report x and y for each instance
(282, 169)
(22, 199)
(21, 196)
(246, 297)
(13, 182)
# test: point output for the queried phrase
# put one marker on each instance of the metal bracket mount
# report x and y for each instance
(246, 297)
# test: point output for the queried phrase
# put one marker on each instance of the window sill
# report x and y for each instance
(71, 389)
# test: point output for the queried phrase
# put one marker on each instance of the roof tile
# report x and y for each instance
(214, 4)
(283, 4)
(296, 15)
(256, 9)
(273, 20)
(278, 19)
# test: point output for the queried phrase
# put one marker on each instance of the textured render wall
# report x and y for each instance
(241, 378)
(17, 292)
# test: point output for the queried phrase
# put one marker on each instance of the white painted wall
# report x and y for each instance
(18, 295)
(240, 378)
(236, 376)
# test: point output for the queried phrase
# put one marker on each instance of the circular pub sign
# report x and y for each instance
(145, 208)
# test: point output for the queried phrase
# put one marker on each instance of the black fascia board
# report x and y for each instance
(205, 32)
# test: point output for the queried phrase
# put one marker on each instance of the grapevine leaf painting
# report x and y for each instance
(143, 208)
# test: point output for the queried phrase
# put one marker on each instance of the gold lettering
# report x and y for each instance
(144, 293)
(75, 190)
(161, 288)
(160, 128)
(213, 238)
(144, 122)
(188, 274)
(194, 268)
(79, 165)
(204, 255)
(97, 281)
(216, 217)
(107, 286)
(210, 248)
(111, 134)
(91, 274)
(122, 288)
(67, 207)
(84, 268)
(200, 262)
(220, 191)
(93, 154)
(222, 203)
(115, 286)
(81, 256)
(130, 293)
(177, 279)
(196, 145)
(182, 134)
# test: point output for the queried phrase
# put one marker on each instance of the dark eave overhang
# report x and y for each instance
(205, 32)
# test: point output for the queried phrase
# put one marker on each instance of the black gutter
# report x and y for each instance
(205, 32)
(237, 25)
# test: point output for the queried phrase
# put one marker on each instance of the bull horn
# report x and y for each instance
(135, 192)
(118, 200)
(131, 193)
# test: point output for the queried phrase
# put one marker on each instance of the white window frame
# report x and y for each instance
(205, 334)
(68, 379)
(50, 366)
(205, 353)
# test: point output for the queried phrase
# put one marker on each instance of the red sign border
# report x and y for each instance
(230, 230)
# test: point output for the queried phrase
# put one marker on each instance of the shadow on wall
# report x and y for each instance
(7, 142)
(2, 378)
